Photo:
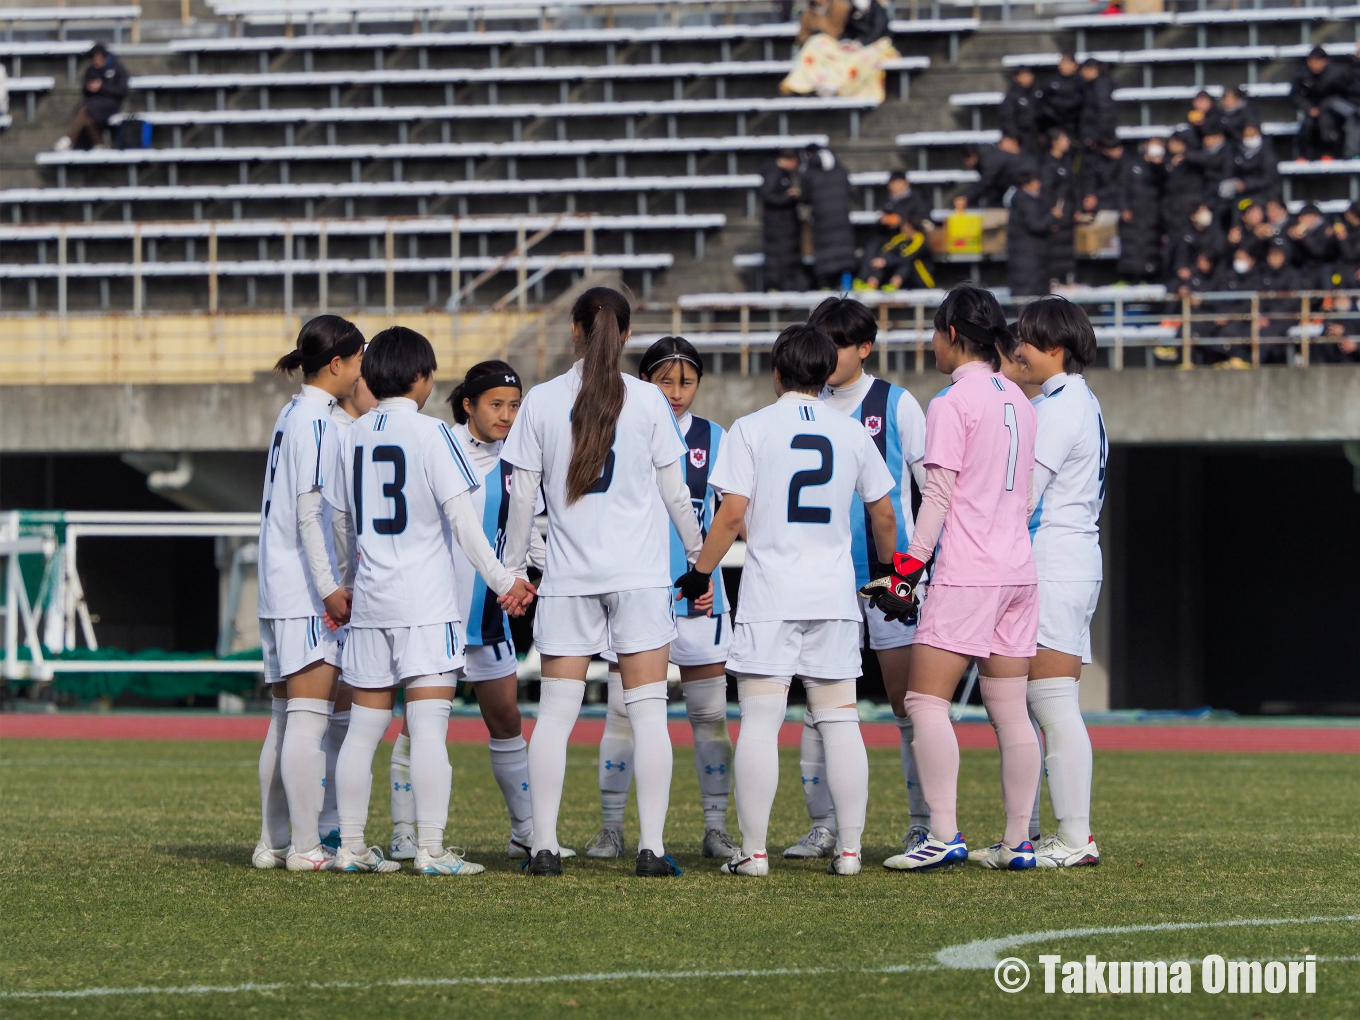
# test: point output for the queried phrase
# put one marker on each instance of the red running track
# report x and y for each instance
(1232, 738)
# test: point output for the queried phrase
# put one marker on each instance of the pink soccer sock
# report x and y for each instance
(1005, 701)
(936, 750)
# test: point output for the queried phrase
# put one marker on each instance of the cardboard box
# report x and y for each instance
(1102, 236)
(1143, 6)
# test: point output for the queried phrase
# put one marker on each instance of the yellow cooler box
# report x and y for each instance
(963, 233)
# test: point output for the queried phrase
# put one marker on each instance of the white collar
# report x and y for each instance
(863, 382)
(389, 404)
(464, 432)
(310, 392)
(684, 421)
(1055, 382)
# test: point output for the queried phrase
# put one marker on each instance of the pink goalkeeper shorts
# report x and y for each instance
(981, 622)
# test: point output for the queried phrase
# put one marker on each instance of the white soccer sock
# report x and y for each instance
(1054, 703)
(559, 703)
(756, 762)
(847, 772)
(1034, 830)
(431, 773)
(652, 754)
(916, 798)
(403, 803)
(812, 766)
(510, 766)
(354, 772)
(335, 736)
(273, 800)
(706, 706)
(303, 765)
(616, 757)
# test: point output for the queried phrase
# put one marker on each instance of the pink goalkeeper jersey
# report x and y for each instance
(982, 427)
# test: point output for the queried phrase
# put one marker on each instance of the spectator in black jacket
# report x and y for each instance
(826, 189)
(1312, 246)
(1028, 230)
(1202, 116)
(1240, 274)
(1214, 158)
(1235, 114)
(782, 234)
(1101, 173)
(1321, 92)
(866, 24)
(1058, 188)
(902, 241)
(1347, 233)
(904, 205)
(1202, 236)
(1251, 231)
(104, 87)
(1063, 97)
(1020, 109)
(1255, 171)
(999, 167)
(1098, 120)
(1140, 226)
(1183, 186)
(1280, 313)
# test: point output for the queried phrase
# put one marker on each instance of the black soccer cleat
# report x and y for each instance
(545, 862)
(649, 865)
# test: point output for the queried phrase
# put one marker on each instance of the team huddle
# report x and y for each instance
(395, 548)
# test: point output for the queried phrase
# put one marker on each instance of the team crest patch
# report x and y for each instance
(873, 423)
(698, 458)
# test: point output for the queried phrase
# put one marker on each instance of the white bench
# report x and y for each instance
(62, 16)
(1253, 17)
(71, 49)
(30, 88)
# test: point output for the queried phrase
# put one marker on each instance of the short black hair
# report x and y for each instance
(1091, 62)
(1026, 69)
(1317, 52)
(897, 175)
(1052, 322)
(978, 323)
(395, 359)
(1023, 177)
(847, 322)
(804, 357)
(98, 50)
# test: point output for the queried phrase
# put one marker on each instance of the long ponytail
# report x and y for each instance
(603, 316)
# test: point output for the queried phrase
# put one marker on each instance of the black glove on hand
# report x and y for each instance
(693, 584)
(894, 593)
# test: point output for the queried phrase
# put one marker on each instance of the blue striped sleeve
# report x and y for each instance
(458, 458)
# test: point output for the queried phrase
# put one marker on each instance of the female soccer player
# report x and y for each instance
(601, 444)
(403, 490)
(484, 407)
(297, 587)
(983, 601)
(893, 419)
(700, 648)
(1055, 342)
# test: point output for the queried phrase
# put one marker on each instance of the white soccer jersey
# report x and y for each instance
(398, 467)
(297, 463)
(608, 540)
(1071, 443)
(799, 463)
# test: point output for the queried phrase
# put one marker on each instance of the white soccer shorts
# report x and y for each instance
(884, 633)
(1065, 612)
(816, 649)
(379, 657)
(490, 662)
(699, 641)
(292, 645)
(626, 621)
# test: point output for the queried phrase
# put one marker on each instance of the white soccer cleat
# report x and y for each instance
(319, 858)
(847, 862)
(978, 856)
(518, 851)
(403, 847)
(606, 844)
(718, 843)
(267, 857)
(449, 863)
(754, 866)
(915, 836)
(371, 860)
(1010, 858)
(932, 853)
(1054, 853)
(819, 842)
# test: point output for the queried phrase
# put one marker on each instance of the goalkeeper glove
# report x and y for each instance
(894, 593)
(693, 584)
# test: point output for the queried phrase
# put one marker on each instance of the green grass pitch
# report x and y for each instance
(127, 867)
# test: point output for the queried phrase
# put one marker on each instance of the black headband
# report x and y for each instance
(474, 388)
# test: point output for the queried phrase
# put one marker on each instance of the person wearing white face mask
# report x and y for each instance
(1140, 221)
(1240, 275)
(1202, 237)
(1255, 176)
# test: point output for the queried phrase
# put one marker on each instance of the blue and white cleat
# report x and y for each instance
(331, 839)
(915, 836)
(930, 853)
(370, 861)
(978, 856)
(1007, 858)
(450, 862)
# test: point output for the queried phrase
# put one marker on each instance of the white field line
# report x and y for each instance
(985, 953)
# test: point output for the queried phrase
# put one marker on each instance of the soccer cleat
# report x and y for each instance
(978, 856)
(331, 839)
(1006, 858)
(371, 860)
(545, 862)
(1054, 853)
(819, 842)
(518, 851)
(267, 857)
(847, 862)
(754, 865)
(606, 844)
(649, 865)
(930, 853)
(915, 836)
(450, 862)
(403, 847)
(719, 844)
(319, 858)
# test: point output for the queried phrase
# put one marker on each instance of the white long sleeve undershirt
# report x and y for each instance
(467, 532)
(313, 535)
